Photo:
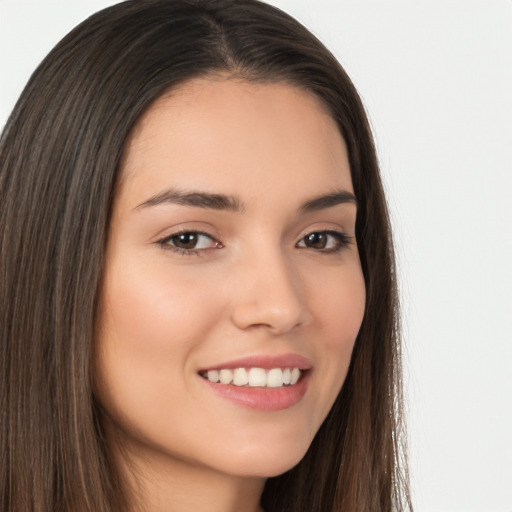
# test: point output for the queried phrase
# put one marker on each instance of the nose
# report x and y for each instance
(268, 294)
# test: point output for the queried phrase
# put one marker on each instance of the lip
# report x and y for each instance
(265, 361)
(263, 399)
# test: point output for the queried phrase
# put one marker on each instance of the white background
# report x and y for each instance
(436, 78)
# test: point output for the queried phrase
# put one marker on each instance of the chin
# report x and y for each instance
(267, 462)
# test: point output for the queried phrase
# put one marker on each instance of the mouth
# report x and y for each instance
(254, 377)
(260, 382)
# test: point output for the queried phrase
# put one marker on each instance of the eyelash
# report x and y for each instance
(165, 243)
(341, 241)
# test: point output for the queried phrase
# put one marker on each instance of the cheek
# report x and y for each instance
(149, 324)
(339, 315)
(153, 311)
(343, 310)
(337, 299)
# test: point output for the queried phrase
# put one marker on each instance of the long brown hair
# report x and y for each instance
(59, 155)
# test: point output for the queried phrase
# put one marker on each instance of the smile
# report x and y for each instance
(254, 377)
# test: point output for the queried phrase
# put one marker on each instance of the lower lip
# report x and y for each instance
(264, 399)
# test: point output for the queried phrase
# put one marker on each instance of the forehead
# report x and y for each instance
(237, 135)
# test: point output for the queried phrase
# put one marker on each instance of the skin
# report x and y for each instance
(252, 286)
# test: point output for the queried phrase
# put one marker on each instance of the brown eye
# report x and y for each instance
(189, 242)
(316, 240)
(184, 240)
(325, 241)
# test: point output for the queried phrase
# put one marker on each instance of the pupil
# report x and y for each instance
(316, 240)
(186, 240)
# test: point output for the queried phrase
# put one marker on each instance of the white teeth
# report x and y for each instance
(213, 376)
(275, 378)
(225, 376)
(240, 377)
(255, 377)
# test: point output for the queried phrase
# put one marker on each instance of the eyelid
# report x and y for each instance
(165, 244)
(342, 239)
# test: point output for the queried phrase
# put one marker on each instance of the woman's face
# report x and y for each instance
(231, 255)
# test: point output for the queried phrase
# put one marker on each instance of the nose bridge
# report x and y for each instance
(268, 291)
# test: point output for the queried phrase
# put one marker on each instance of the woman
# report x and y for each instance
(198, 300)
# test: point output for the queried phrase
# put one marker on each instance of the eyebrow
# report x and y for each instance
(328, 201)
(197, 199)
(230, 203)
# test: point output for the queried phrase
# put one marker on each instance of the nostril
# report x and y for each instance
(267, 293)
(277, 321)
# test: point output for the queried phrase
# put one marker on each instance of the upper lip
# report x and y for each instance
(266, 361)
